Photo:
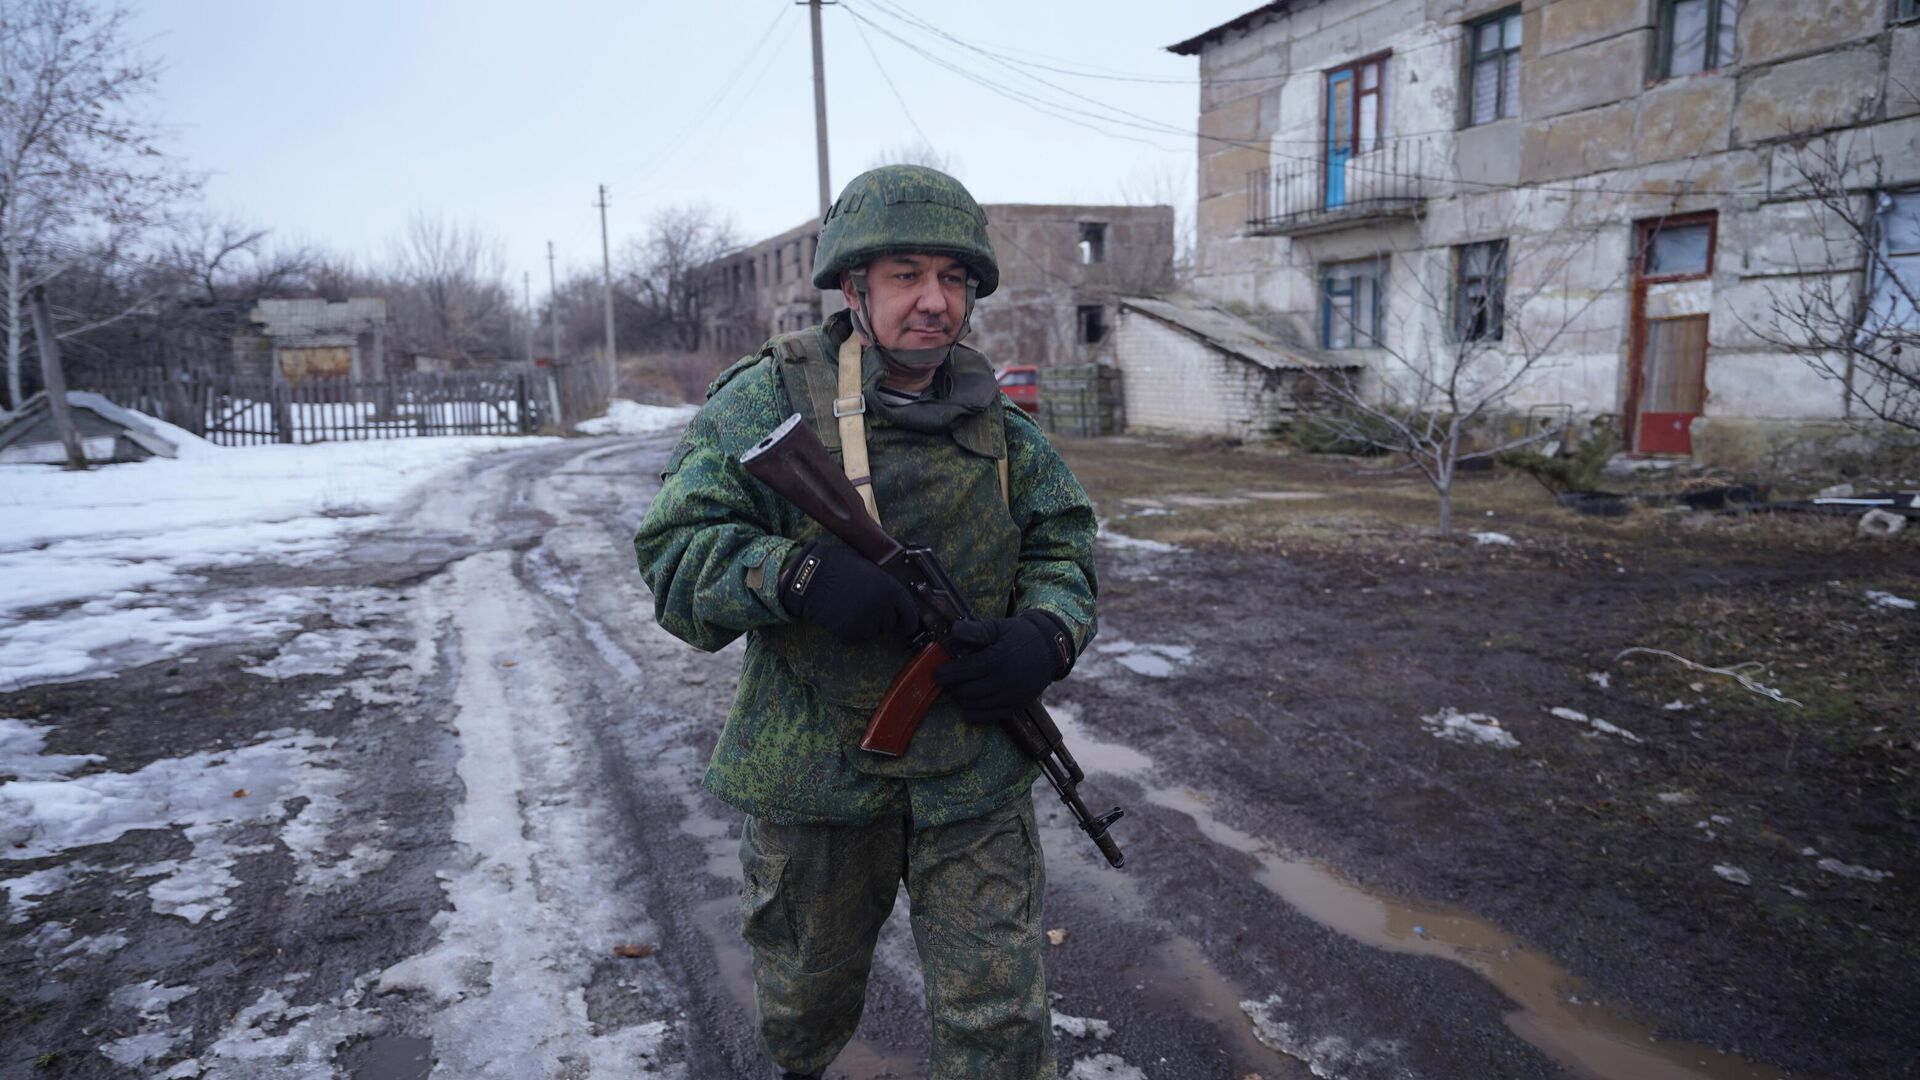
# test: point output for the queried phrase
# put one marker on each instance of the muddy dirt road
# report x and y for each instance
(453, 827)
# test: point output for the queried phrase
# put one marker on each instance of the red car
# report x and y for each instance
(1021, 383)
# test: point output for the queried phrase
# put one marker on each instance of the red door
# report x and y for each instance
(1673, 385)
(1667, 353)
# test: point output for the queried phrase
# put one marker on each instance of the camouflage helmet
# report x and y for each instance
(900, 210)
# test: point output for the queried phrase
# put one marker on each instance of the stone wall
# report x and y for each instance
(1601, 142)
(1034, 316)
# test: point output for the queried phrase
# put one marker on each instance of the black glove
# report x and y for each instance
(842, 593)
(1018, 658)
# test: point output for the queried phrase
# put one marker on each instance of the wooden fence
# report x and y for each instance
(232, 411)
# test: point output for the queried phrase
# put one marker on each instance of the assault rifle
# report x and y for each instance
(793, 462)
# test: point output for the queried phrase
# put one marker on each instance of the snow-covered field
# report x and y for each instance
(97, 569)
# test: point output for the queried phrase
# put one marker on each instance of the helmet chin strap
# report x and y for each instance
(910, 362)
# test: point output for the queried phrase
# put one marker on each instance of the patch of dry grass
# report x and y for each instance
(1205, 493)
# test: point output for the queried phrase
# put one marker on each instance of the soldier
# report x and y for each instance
(944, 460)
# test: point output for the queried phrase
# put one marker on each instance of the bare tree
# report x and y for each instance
(659, 275)
(225, 259)
(80, 173)
(448, 295)
(1851, 308)
(1449, 360)
(920, 152)
(1161, 186)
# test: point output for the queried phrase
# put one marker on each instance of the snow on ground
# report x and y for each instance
(1113, 539)
(112, 551)
(1600, 726)
(1153, 661)
(1454, 725)
(632, 418)
(213, 797)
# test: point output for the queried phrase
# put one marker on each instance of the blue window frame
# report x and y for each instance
(1352, 304)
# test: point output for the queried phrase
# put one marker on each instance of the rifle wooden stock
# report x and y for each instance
(793, 462)
(905, 704)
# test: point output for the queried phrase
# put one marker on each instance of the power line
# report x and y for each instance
(1091, 71)
(694, 119)
(712, 130)
(860, 28)
(1355, 165)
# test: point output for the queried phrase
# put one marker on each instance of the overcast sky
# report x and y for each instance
(332, 123)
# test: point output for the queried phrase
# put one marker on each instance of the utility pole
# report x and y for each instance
(553, 321)
(606, 280)
(553, 304)
(820, 105)
(526, 279)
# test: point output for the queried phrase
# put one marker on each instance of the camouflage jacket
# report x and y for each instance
(713, 545)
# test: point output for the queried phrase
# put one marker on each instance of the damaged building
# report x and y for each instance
(1619, 194)
(297, 339)
(1063, 270)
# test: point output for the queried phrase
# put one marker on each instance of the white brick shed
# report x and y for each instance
(1190, 367)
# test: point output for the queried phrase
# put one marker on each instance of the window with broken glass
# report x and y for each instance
(1352, 307)
(1480, 291)
(1696, 35)
(1493, 68)
(1896, 271)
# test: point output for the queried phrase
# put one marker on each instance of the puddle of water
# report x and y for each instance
(396, 1057)
(1590, 1040)
(1286, 496)
(1178, 976)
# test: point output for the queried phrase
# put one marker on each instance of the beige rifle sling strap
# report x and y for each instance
(849, 408)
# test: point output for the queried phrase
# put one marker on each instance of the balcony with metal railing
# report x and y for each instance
(1337, 188)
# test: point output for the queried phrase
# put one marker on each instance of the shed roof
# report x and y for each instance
(33, 423)
(1230, 333)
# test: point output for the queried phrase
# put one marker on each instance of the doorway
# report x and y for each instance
(1667, 351)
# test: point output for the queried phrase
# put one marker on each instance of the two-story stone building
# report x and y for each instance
(1613, 193)
(1062, 270)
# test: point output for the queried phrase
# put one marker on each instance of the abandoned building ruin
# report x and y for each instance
(1062, 272)
(297, 339)
(1379, 174)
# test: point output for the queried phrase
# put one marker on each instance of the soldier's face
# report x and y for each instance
(918, 301)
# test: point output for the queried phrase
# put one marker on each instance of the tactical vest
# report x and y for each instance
(945, 492)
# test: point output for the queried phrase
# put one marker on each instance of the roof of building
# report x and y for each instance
(1230, 333)
(33, 423)
(1193, 45)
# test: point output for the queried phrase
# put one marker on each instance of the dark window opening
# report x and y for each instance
(1352, 310)
(1093, 242)
(1493, 68)
(1480, 291)
(1908, 9)
(1696, 35)
(1093, 324)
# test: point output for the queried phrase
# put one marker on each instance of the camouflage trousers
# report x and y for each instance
(815, 897)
